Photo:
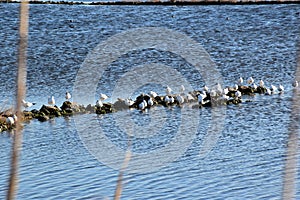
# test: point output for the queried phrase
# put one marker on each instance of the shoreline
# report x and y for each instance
(165, 3)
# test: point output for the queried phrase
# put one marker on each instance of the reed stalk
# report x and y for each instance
(21, 91)
(291, 157)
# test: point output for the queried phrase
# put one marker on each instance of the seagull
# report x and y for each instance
(99, 103)
(250, 80)
(27, 104)
(143, 105)
(240, 81)
(295, 84)
(254, 86)
(261, 83)
(200, 99)
(269, 92)
(128, 102)
(225, 91)
(273, 88)
(236, 87)
(180, 99)
(168, 90)
(280, 88)
(167, 99)
(103, 96)
(219, 88)
(150, 102)
(51, 100)
(10, 120)
(213, 93)
(153, 94)
(238, 94)
(190, 97)
(68, 96)
(182, 89)
(205, 88)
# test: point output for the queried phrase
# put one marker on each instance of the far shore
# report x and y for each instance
(158, 2)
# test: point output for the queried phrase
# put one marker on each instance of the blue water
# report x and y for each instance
(246, 157)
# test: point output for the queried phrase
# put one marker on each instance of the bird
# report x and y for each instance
(99, 103)
(143, 105)
(273, 88)
(225, 91)
(10, 120)
(167, 99)
(235, 87)
(205, 88)
(153, 94)
(68, 96)
(238, 94)
(261, 83)
(219, 89)
(250, 80)
(189, 97)
(103, 96)
(254, 86)
(280, 88)
(182, 89)
(51, 100)
(295, 83)
(268, 92)
(213, 93)
(180, 99)
(128, 102)
(240, 81)
(150, 102)
(200, 99)
(168, 90)
(27, 104)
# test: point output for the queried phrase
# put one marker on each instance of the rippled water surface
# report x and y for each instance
(243, 160)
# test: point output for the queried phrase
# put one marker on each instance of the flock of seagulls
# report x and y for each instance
(203, 96)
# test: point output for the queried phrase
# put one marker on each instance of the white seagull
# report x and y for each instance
(51, 100)
(205, 88)
(168, 90)
(27, 104)
(180, 99)
(250, 80)
(269, 92)
(280, 88)
(153, 94)
(150, 102)
(68, 96)
(238, 94)
(182, 89)
(99, 103)
(200, 99)
(11, 120)
(261, 83)
(143, 105)
(273, 88)
(103, 96)
(240, 81)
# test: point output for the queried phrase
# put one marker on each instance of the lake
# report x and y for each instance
(227, 152)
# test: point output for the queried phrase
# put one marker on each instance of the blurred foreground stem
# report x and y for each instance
(21, 91)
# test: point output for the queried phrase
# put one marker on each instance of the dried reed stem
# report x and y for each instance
(290, 169)
(21, 90)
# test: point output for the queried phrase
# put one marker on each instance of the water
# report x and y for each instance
(247, 159)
